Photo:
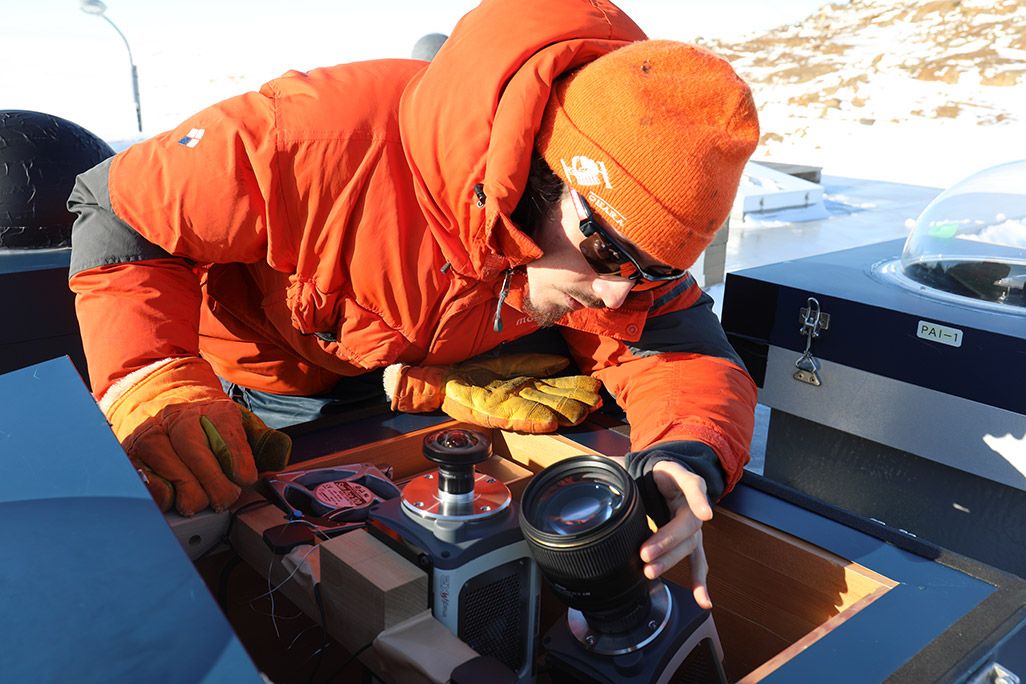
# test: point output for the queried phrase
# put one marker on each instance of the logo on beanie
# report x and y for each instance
(585, 171)
(614, 216)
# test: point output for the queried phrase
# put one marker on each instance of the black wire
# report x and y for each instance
(233, 562)
(324, 632)
(227, 538)
(222, 581)
(350, 659)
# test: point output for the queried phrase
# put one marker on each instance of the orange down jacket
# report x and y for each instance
(328, 225)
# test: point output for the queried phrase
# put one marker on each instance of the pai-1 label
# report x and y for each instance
(935, 332)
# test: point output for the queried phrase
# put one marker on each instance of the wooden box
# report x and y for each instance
(801, 591)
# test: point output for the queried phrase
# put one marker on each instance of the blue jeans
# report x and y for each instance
(281, 410)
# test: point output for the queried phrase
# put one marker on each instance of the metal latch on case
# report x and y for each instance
(813, 322)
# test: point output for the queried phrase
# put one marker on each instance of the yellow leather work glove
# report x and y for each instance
(508, 392)
(195, 446)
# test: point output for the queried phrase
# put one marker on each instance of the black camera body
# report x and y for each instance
(461, 527)
(684, 648)
(585, 522)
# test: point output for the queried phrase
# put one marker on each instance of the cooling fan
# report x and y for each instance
(324, 502)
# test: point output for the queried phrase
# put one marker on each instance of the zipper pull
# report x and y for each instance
(479, 191)
(497, 323)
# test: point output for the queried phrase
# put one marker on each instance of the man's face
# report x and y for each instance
(562, 280)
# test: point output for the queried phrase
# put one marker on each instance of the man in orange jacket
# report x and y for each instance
(551, 168)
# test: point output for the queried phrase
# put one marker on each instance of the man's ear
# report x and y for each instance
(548, 233)
(543, 189)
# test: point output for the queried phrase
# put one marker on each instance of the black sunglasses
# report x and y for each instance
(607, 256)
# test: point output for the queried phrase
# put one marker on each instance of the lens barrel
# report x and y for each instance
(456, 451)
(584, 521)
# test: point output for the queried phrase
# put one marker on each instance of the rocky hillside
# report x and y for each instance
(896, 69)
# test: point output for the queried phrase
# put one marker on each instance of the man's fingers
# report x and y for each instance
(697, 500)
(186, 434)
(670, 556)
(152, 448)
(222, 425)
(699, 573)
(271, 448)
(672, 479)
(679, 530)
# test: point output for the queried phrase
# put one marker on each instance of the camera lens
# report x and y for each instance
(456, 451)
(585, 522)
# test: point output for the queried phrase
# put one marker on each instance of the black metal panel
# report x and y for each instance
(749, 309)
(749, 305)
(37, 317)
(960, 511)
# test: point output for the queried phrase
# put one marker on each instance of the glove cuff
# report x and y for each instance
(416, 389)
(121, 386)
(144, 393)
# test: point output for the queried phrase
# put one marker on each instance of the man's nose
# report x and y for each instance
(613, 293)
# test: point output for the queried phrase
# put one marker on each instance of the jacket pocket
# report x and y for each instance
(346, 329)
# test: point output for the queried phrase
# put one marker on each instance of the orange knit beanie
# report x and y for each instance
(655, 136)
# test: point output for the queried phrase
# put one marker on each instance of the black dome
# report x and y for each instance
(40, 155)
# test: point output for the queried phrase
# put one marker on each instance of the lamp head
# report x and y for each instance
(92, 7)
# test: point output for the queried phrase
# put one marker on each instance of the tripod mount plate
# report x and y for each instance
(627, 642)
(422, 498)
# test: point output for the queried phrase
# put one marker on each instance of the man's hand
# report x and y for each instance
(194, 446)
(685, 496)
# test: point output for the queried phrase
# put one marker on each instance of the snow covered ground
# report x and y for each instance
(923, 93)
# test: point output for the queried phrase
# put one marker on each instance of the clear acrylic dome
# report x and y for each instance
(971, 240)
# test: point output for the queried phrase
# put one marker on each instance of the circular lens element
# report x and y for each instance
(578, 503)
(585, 522)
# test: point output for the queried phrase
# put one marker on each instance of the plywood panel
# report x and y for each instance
(771, 590)
(537, 452)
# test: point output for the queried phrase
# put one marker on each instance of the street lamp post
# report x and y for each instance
(97, 8)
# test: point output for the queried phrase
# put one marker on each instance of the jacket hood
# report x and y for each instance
(471, 116)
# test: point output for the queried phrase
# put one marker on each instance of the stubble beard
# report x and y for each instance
(546, 318)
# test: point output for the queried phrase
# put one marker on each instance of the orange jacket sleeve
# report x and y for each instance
(680, 381)
(151, 217)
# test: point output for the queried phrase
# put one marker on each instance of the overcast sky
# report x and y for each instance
(191, 53)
